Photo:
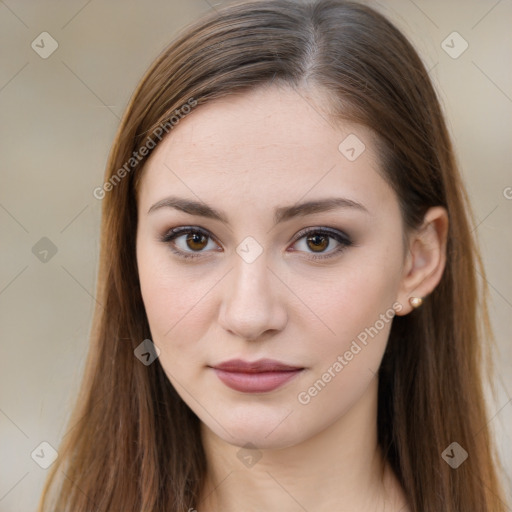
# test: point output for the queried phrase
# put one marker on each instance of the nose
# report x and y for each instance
(252, 305)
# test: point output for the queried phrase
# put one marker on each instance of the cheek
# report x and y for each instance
(360, 313)
(357, 303)
(173, 299)
(359, 295)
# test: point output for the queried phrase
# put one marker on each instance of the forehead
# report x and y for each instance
(270, 144)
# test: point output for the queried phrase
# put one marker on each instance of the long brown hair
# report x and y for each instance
(132, 443)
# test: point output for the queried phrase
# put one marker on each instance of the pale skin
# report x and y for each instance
(246, 155)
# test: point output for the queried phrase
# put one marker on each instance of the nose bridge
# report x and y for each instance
(250, 304)
(251, 273)
(252, 278)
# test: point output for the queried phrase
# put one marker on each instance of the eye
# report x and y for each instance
(194, 240)
(191, 242)
(319, 239)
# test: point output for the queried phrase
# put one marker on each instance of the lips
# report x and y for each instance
(260, 366)
(259, 376)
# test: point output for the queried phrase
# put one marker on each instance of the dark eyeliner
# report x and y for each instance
(173, 233)
(343, 240)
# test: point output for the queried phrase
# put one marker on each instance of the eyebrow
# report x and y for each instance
(281, 214)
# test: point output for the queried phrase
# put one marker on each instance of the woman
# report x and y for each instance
(288, 289)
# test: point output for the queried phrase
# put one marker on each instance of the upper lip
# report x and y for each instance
(260, 366)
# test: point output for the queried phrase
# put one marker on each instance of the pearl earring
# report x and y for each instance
(415, 302)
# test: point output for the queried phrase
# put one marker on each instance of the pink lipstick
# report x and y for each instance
(255, 377)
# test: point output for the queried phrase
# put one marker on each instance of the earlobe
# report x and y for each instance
(415, 302)
(426, 260)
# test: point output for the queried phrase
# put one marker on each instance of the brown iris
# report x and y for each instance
(197, 238)
(316, 239)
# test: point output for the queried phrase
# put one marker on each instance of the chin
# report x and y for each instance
(258, 429)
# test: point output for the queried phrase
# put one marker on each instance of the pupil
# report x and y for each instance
(196, 238)
(315, 240)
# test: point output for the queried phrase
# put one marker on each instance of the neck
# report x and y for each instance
(340, 468)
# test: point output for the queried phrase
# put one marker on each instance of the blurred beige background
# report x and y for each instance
(58, 119)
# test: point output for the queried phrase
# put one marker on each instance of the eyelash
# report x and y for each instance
(341, 238)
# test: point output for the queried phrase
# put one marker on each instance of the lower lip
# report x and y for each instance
(255, 382)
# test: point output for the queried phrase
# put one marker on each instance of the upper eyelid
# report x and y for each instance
(182, 230)
(323, 229)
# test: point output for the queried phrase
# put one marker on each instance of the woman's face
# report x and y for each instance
(309, 287)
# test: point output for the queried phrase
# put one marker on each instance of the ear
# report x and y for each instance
(425, 260)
